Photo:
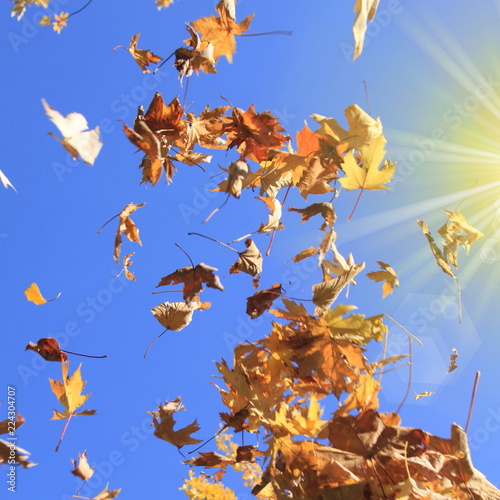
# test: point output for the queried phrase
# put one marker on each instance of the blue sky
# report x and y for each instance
(433, 80)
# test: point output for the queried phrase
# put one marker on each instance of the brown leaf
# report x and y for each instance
(48, 348)
(193, 279)
(250, 261)
(20, 455)
(127, 227)
(106, 494)
(142, 57)
(424, 394)
(325, 209)
(210, 459)
(176, 315)
(7, 425)
(207, 129)
(325, 293)
(166, 120)
(262, 300)
(164, 422)
(83, 469)
(453, 359)
(248, 453)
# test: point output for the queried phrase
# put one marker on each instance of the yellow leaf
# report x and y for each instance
(163, 4)
(33, 294)
(141, 56)
(106, 494)
(387, 275)
(365, 11)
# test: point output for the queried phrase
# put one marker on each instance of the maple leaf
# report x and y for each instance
(166, 120)
(5, 181)
(362, 128)
(325, 293)
(325, 209)
(387, 275)
(367, 175)
(254, 134)
(48, 348)
(221, 32)
(207, 128)
(193, 279)
(106, 494)
(60, 21)
(164, 423)
(77, 139)
(147, 141)
(363, 395)
(142, 57)
(82, 469)
(365, 11)
(177, 315)
(457, 231)
(262, 300)
(127, 227)
(249, 261)
(199, 56)
(34, 295)
(69, 393)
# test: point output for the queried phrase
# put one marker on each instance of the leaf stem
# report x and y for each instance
(404, 329)
(282, 32)
(473, 397)
(410, 375)
(79, 10)
(356, 204)
(216, 241)
(84, 355)
(63, 432)
(187, 255)
(107, 222)
(149, 346)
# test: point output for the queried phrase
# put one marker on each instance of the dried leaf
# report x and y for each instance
(164, 423)
(210, 459)
(249, 261)
(163, 4)
(238, 171)
(262, 300)
(193, 279)
(83, 469)
(388, 276)
(5, 181)
(106, 494)
(365, 11)
(273, 223)
(221, 32)
(77, 139)
(127, 227)
(325, 293)
(34, 295)
(141, 56)
(126, 264)
(20, 455)
(176, 315)
(48, 348)
(325, 209)
(424, 394)
(453, 359)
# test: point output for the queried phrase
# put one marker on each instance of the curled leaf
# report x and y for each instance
(82, 469)
(262, 300)
(127, 227)
(249, 261)
(48, 348)
(141, 56)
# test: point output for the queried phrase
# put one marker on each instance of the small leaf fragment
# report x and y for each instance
(453, 359)
(424, 394)
(34, 295)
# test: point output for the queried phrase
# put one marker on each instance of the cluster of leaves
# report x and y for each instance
(276, 384)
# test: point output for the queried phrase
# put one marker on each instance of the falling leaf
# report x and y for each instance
(238, 171)
(5, 181)
(83, 469)
(367, 175)
(249, 261)
(127, 227)
(163, 4)
(164, 119)
(177, 315)
(254, 134)
(106, 494)
(10, 451)
(77, 139)
(126, 264)
(145, 139)
(362, 127)
(453, 359)
(60, 21)
(6, 425)
(365, 11)
(424, 394)
(34, 295)
(207, 129)
(325, 209)
(262, 300)
(387, 275)
(142, 57)
(210, 459)
(193, 279)
(48, 348)
(325, 293)
(69, 393)
(164, 423)
(221, 32)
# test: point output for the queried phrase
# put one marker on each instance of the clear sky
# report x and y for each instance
(432, 74)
